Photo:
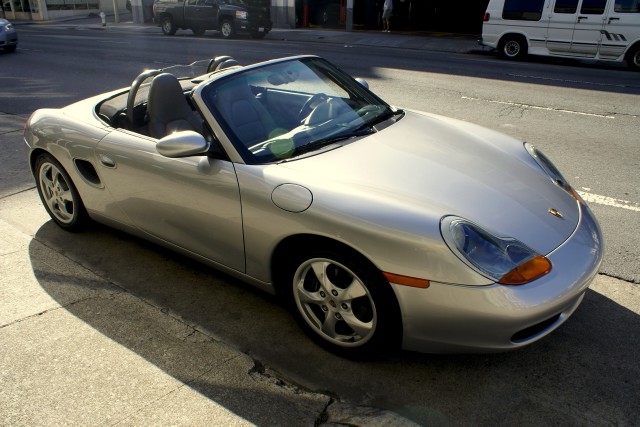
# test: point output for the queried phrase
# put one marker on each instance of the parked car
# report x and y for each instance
(229, 17)
(379, 226)
(595, 29)
(8, 36)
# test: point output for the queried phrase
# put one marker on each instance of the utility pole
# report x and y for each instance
(349, 23)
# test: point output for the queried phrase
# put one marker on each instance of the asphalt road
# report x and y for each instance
(585, 117)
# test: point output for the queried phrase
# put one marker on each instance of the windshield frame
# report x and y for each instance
(265, 150)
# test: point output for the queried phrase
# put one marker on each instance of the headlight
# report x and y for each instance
(503, 260)
(549, 168)
(241, 14)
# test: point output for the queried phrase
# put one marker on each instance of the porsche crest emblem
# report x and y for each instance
(555, 213)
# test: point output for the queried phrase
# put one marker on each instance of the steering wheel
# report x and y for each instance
(310, 105)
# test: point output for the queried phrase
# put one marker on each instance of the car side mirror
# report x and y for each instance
(183, 144)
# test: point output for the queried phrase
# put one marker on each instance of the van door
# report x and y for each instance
(562, 23)
(587, 34)
(621, 27)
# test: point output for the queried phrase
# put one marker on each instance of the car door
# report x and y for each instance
(202, 13)
(621, 27)
(587, 34)
(192, 202)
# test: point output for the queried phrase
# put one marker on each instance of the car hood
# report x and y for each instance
(433, 166)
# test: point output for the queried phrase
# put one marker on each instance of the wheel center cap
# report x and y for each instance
(332, 303)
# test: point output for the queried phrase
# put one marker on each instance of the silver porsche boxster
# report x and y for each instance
(380, 227)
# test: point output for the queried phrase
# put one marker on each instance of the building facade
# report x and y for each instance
(464, 16)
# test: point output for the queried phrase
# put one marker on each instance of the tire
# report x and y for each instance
(198, 31)
(343, 303)
(168, 27)
(513, 47)
(633, 58)
(226, 29)
(58, 194)
(11, 48)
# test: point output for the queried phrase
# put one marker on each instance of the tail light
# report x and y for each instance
(487, 16)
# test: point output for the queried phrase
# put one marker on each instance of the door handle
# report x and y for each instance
(580, 18)
(613, 19)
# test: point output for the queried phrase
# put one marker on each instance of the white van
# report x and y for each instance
(597, 29)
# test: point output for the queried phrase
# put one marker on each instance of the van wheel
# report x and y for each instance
(513, 46)
(633, 59)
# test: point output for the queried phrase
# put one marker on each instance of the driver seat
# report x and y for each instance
(244, 113)
(168, 109)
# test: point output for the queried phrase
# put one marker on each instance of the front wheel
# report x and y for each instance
(226, 29)
(168, 27)
(513, 47)
(58, 194)
(633, 59)
(344, 303)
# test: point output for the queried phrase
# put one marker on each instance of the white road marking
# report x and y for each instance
(609, 201)
(537, 107)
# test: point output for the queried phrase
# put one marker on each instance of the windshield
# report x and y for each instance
(282, 110)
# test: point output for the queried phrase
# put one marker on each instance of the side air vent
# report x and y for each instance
(534, 330)
(88, 172)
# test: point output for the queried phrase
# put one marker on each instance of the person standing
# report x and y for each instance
(387, 7)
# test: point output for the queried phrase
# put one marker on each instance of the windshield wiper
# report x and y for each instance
(323, 142)
(381, 118)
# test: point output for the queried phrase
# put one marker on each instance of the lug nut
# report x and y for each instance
(322, 294)
(335, 293)
(338, 316)
(345, 306)
(324, 308)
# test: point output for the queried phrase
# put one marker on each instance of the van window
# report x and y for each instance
(627, 6)
(566, 6)
(523, 10)
(593, 7)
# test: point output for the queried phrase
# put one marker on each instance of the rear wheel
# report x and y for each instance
(633, 59)
(513, 46)
(344, 303)
(58, 194)
(168, 27)
(226, 28)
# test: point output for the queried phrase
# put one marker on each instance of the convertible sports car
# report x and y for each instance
(381, 227)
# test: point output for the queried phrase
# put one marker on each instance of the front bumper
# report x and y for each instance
(7, 40)
(251, 27)
(447, 318)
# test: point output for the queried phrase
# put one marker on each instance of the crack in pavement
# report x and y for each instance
(538, 107)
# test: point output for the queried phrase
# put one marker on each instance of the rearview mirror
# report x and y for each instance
(182, 144)
(362, 82)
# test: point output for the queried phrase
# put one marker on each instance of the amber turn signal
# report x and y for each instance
(524, 273)
(414, 282)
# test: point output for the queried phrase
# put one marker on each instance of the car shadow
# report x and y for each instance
(586, 372)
